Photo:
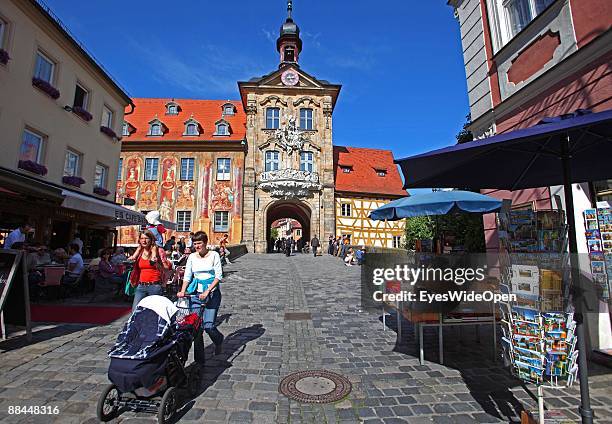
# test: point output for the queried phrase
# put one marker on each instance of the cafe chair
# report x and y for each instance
(53, 279)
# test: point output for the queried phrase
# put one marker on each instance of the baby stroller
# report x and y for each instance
(148, 360)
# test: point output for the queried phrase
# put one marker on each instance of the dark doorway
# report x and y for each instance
(60, 236)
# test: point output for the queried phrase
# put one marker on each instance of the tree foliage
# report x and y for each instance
(467, 230)
(465, 134)
(274, 233)
(418, 228)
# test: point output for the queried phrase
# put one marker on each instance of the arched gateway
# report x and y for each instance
(293, 209)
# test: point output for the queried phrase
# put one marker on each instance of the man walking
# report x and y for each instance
(17, 236)
(288, 246)
(314, 243)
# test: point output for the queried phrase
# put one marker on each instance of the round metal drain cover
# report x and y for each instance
(315, 386)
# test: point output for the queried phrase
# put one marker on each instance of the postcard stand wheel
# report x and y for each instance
(108, 404)
(167, 406)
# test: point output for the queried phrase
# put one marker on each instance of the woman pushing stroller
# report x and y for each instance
(201, 281)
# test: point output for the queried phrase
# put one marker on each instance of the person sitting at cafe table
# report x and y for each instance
(59, 256)
(42, 255)
(75, 265)
(106, 270)
(119, 257)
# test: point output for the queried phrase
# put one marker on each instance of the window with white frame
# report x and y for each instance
(511, 16)
(107, 117)
(397, 242)
(272, 160)
(221, 221)
(172, 108)
(306, 121)
(272, 118)
(381, 172)
(125, 129)
(155, 128)
(72, 164)
(306, 161)
(223, 169)
(222, 129)
(192, 129)
(346, 169)
(120, 169)
(345, 209)
(44, 68)
(228, 109)
(31, 146)
(81, 97)
(100, 175)
(151, 169)
(183, 221)
(187, 167)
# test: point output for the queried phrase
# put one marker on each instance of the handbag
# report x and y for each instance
(129, 288)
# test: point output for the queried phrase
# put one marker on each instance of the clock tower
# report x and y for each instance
(289, 165)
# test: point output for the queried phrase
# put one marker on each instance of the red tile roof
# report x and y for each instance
(363, 178)
(206, 112)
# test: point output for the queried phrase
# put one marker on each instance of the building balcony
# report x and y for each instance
(289, 183)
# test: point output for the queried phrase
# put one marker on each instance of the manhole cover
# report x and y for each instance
(316, 386)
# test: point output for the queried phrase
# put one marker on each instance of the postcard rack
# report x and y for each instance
(598, 232)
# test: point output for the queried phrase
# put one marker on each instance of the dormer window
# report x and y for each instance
(381, 172)
(229, 109)
(172, 108)
(192, 127)
(156, 128)
(346, 168)
(125, 129)
(222, 127)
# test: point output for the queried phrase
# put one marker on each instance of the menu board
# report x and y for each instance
(12, 291)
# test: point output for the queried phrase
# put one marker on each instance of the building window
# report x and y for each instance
(187, 166)
(125, 129)
(228, 109)
(272, 118)
(183, 221)
(223, 169)
(192, 129)
(3, 31)
(306, 161)
(397, 242)
(222, 129)
(151, 169)
(346, 169)
(107, 117)
(298, 232)
(381, 172)
(72, 164)
(221, 221)
(512, 16)
(31, 147)
(120, 169)
(345, 209)
(100, 175)
(44, 68)
(172, 108)
(272, 161)
(81, 97)
(306, 122)
(155, 129)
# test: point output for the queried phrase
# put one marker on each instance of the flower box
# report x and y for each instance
(82, 113)
(108, 131)
(34, 167)
(4, 57)
(73, 181)
(101, 191)
(46, 87)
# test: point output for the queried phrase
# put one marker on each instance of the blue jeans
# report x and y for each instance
(143, 291)
(208, 324)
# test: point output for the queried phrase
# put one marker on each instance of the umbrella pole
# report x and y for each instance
(585, 403)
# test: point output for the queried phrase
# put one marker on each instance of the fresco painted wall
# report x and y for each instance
(202, 196)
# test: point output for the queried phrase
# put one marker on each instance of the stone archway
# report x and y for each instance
(289, 209)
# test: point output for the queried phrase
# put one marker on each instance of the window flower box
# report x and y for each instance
(73, 181)
(4, 57)
(108, 131)
(33, 167)
(82, 113)
(101, 191)
(46, 88)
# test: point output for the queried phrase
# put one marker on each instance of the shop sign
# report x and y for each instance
(134, 217)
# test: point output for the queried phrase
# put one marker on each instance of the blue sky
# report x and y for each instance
(399, 61)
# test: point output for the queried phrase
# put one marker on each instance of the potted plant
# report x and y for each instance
(101, 191)
(46, 88)
(4, 57)
(108, 131)
(33, 167)
(82, 113)
(73, 180)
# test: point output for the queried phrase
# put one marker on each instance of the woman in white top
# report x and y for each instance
(202, 277)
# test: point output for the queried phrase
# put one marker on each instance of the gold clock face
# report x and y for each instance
(290, 77)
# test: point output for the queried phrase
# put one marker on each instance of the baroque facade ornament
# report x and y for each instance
(289, 183)
(290, 137)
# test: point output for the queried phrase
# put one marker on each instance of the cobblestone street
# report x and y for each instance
(66, 365)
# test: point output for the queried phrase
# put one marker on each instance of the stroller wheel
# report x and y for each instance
(108, 404)
(167, 407)
(195, 380)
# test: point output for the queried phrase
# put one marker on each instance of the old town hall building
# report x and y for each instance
(237, 167)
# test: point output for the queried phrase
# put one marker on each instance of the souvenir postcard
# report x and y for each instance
(591, 225)
(597, 256)
(598, 267)
(590, 214)
(592, 234)
(594, 245)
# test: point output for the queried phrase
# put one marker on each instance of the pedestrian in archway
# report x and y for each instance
(288, 246)
(314, 243)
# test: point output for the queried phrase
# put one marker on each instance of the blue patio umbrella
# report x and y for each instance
(436, 203)
(562, 150)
